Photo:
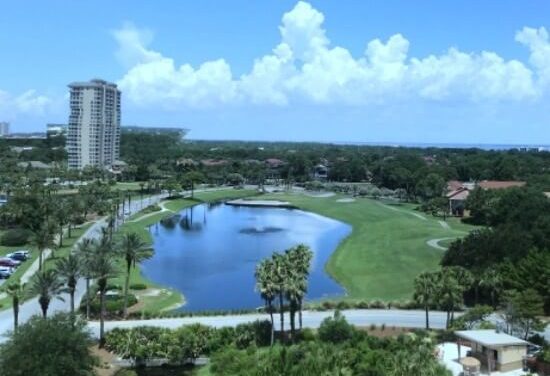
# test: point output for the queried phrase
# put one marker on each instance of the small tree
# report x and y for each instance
(16, 291)
(59, 346)
(335, 329)
(46, 285)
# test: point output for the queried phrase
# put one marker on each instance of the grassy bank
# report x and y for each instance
(387, 248)
(166, 299)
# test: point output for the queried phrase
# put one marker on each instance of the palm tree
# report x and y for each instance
(102, 266)
(492, 281)
(449, 294)
(279, 279)
(424, 290)
(134, 250)
(46, 285)
(43, 239)
(293, 289)
(266, 288)
(84, 251)
(69, 269)
(16, 291)
(302, 256)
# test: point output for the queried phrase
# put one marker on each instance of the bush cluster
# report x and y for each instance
(186, 343)
(138, 286)
(114, 304)
(15, 237)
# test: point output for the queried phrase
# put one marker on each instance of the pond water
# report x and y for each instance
(209, 252)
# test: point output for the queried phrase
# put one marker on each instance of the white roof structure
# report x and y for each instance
(490, 338)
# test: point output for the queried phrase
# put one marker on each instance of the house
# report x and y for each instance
(494, 350)
(320, 172)
(457, 191)
(273, 166)
(457, 201)
(214, 162)
(117, 167)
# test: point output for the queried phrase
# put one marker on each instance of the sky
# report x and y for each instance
(343, 71)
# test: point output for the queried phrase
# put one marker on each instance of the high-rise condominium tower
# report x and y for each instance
(93, 138)
(4, 128)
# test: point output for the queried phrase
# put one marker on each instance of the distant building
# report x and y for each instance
(320, 172)
(34, 164)
(155, 130)
(57, 129)
(26, 136)
(93, 137)
(4, 128)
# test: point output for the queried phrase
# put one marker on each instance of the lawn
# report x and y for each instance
(168, 298)
(387, 248)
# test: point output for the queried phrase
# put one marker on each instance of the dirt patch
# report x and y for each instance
(106, 367)
(320, 194)
(151, 292)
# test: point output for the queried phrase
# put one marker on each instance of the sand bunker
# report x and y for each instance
(345, 200)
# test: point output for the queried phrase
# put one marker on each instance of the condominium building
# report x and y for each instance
(4, 128)
(93, 138)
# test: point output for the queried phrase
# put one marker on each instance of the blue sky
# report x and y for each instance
(395, 71)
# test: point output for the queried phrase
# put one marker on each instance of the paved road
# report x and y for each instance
(311, 319)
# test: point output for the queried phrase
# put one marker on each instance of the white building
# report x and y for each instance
(93, 137)
(4, 128)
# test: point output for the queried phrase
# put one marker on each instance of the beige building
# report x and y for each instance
(93, 137)
(496, 351)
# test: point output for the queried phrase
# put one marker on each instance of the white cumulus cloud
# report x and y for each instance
(305, 67)
(27, 103)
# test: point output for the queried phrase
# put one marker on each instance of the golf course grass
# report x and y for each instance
(387, 248)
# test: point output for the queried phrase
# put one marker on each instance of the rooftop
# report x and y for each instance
(490, 338)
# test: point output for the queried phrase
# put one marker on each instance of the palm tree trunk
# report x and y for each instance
(292, 320)
(71, 293)
(15, 304)
(282, 313)
(101, 318)
(87, 298)
(40, 256)
(300, 313)
(270, 308)
(44, 305)
(69, 230)
(126, 284)
(427, 317)
(61, 237)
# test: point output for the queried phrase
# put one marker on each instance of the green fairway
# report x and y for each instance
(387, 248)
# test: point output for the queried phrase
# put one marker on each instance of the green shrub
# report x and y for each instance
(15, 237)
(306, 335)
(126, 372)
(343, 305)
(377, 304)
(138, 286)
(335, 329)
(114, 304)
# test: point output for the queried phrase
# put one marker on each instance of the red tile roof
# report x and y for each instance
(495, 184)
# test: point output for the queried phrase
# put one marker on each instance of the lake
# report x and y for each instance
(209, 252)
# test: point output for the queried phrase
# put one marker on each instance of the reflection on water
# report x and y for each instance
(209, 252)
